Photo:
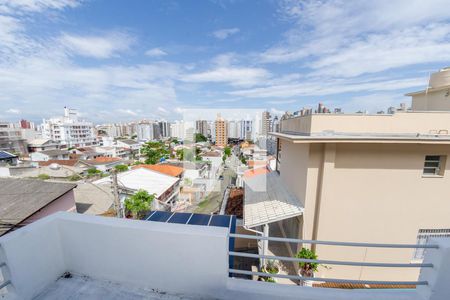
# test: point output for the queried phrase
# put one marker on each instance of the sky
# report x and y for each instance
(129, 60)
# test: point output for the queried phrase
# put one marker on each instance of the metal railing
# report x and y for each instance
(332, 262)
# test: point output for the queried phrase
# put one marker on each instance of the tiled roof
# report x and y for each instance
(163, 168)
(102, 160)
(211, 153)
(20, 198)
(255, 172)
(64, 162)
(54, 152)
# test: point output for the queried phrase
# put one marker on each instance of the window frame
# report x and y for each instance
(438, 169)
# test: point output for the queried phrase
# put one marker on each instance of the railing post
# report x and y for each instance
(438, 277)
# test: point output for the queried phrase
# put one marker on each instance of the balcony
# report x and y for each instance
(71, 256)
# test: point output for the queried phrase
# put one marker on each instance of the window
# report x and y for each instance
(434, 165)
(424, 235)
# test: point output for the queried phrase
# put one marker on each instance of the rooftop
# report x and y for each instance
(63, 162)
(54, 152)
(102, 160)
(17, 204)
(129, 142)
(162, 168)
(141, 178)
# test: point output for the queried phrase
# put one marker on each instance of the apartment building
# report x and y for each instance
(11, 139)
(370, 178)
(69, 130)
(265, 123)
(201, 126)
(221, 131)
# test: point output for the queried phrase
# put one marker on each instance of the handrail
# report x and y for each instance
(351, 281)
(333, 243)
(5, 283)
(334, 262)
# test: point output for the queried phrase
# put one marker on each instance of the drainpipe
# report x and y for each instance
(261, 262)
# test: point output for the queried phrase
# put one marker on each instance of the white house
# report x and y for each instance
(166, 188)
(46, 155)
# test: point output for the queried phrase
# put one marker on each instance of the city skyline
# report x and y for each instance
(154, 59)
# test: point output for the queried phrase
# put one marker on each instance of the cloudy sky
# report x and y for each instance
(128, 60)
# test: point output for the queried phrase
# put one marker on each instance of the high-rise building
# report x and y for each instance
(265, 123)
(69, 130)
(24, 124)
(201, 126)
(145, 131)
(221, 132)
(164, 128)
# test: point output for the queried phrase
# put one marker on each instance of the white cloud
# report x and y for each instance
(225, 33)
(104, 46)
(13, 111)
(18, 6)
(236, 76)
(155, 52)
(127, 112)
(346, 38)
(330, 87)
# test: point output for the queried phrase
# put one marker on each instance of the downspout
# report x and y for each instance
(318, 199)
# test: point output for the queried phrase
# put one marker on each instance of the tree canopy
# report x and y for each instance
(154, 151)
(139, 203)
(121, 168)
(200, 138)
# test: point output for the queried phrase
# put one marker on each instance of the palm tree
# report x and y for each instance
(139, 203)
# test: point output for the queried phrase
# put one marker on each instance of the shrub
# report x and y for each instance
(43, 176)
(74, 177)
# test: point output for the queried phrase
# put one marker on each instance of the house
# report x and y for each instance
(368, 178)
(87, 153)
(215, 158)
(173, 171)
(103, 164)
(38, 145)
(18, 208)
(49, 155)
(133, 145)
(7, 158)
(165, 188)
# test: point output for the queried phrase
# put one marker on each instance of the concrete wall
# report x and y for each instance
(186, 259)
(432, 101)
(64, 203)
(369, 193)
(409, 122)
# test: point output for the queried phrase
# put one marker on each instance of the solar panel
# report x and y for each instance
(160, 216)
(199, 219)
(220, 221)
(5, 155)
(180, 218)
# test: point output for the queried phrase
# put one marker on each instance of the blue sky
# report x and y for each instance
(128, 60)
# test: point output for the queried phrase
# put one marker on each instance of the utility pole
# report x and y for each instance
(115, 187)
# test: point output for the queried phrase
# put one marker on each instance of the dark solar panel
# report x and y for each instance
(4, 155)
(160, 216)
(220, 221)
(180, 218)
(199, 219)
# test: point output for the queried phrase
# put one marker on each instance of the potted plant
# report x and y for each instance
(307, 269)
(271, 267)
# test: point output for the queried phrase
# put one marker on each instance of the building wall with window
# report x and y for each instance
(367, 192)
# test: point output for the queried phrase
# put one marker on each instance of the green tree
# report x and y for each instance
(243, 160)
(92, 172)
(227, 151)
(200, 138)
(139, 203)
(180, 154)
(121, 168)
(154, 151)
(74, 177)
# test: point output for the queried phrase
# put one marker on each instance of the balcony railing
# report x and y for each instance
(179, 259)
(333, 262)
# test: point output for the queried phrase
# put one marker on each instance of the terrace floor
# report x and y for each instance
(83, 287)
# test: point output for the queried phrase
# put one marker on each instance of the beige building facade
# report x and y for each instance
(221, 132)
(370, 178)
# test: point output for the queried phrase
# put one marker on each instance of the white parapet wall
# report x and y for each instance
(178, 259)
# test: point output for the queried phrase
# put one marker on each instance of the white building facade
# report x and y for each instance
(69, 130)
